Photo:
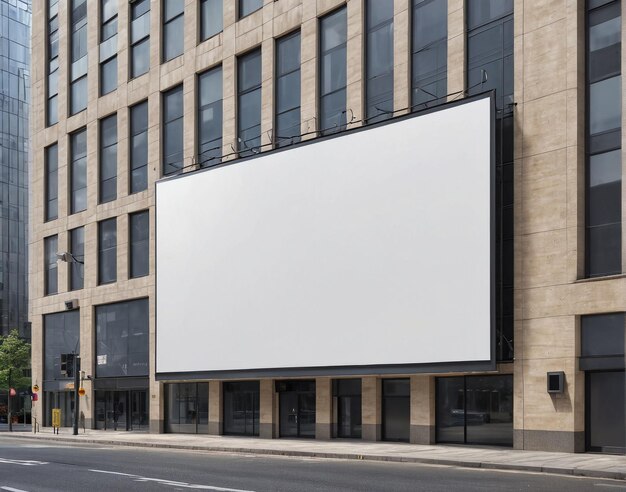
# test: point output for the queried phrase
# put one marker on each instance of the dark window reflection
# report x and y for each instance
(396, 409)
(241, 408)
(187, 408)
(61, 336)
(347, 408)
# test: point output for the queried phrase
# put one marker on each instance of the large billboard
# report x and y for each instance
(368, 251)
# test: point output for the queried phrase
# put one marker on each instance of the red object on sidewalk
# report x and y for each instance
(12, 392)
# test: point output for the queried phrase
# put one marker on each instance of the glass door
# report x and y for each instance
(288, 414)
(605, 412)
(306, 414)
(139, 410)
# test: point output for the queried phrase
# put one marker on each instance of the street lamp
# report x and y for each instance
(68, 258)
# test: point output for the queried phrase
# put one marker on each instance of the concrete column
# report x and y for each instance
(422, 410)
(354, 89)
(215, 408)
(371, 390)
(323, 408)
(401, 56)
(156, 407)
(267, 405)
(456, 46)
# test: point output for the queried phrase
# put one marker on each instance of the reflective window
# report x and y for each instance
(210, 117)
(61, 336)
(606, 429)
(246, 7)
(332, 104)
(287, 104)
(173, 28)
(211, 18)
(604, 122)
(108, 76)
(122, 339)
(51, 248)
(108, 159)
(52, 113)
(396, 409)
(602, 335)
(249, 103)
(379, 60)
(347, 408)
(139, 147)
(77, 249)
(139, 38)
(78, 171)
(78, 49)
(241, 408)
(52, 182)
(107, 251)
(187, 408)
(139, 224)
(173, 130)
(108, 46)
(429, 62)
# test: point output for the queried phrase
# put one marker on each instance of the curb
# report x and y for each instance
(578, 472)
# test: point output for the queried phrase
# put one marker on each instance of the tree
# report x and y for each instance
(14, 360)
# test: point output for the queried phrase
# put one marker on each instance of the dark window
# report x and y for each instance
(296, 408)
(173, 130)
(604, 412)
(602, 335)
(210, 117)
(333, 78)
(379, 60)
(108, 159)
(52, 112)
(211, 18)
(139, 147)
(107, 251)
(287, 119)
(249, 103)
(604, 134)
(78, 171)
(241, 408)
(108, 46)
(490, 66)
(61, 336)
(122, 339)
(139, 38)
(246, 7)
(77, 249)
(396, 409)
(187, 408)
(475, 410)
(78, 49)
(173, 28)
(139, 244)
(52, 182)
(51, 248)
(347, 408)
(430, 51)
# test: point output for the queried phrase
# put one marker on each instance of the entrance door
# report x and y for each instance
(396, 409)
(297, 409)
(605, 412)
(139, 410)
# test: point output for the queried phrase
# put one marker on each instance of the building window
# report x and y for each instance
(430, 51)
(139, 38)
(249, 103)
(246, 7)
(52, 182)
(187, 408)
(107, 251)
(211, 18)
(396, 406)
(379, 60)
(604, 135)
(61, 335)
(52, 113)
(490, 66)
(77, 249)
(287, 119)
(210, 117)
(108, 159)
(241, 408)
(51, 247)
(173, 28)
(108, 46)
(333, 37)
(173, 130)
(122, 339)
(78, 171)
(139, 147)
(78, 69)
(139, 244)
(347, 407)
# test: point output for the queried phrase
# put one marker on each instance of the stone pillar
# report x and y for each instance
(323, 408)
(267, 405)
(215, 408)
(422, 410)
(371, 393)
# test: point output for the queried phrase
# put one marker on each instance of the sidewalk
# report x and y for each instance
(591, 465)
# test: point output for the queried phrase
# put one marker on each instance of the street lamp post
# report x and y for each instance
(76, 395)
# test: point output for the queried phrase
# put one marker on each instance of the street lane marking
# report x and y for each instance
(610, 485)
(11, 489)
(173, 483)
(22, 462)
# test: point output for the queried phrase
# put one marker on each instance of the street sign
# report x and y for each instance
(81, 391)
(56, 417)
(69, 386)
(35, 389)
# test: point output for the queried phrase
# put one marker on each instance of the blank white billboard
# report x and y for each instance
(370, 248)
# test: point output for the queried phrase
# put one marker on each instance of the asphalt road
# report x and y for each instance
(29, 465)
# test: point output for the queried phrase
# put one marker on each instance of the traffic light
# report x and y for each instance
(67, 365)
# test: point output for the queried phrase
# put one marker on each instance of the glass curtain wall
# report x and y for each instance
(187, 408)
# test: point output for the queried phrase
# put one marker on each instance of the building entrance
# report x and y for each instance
(605, 412)
(296, 408)
(396, 409)
(122, 410)
(59, 399)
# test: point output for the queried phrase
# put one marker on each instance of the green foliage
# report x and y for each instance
(14, 360)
